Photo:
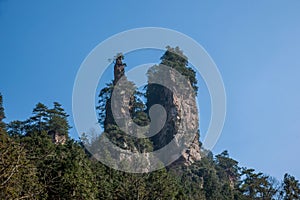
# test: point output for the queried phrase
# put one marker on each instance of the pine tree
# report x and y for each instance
(291, 188)
(58, 120)
(227, 168)
(257, 185)
(38, 121)
(175, 59)
(75, 179)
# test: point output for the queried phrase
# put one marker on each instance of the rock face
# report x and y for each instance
(121, 103)
(191, 155)
(182, 117)
(119, 68)
(127, 152)
(57, 138)
(180, 122)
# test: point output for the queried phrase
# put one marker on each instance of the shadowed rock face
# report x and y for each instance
(182, 119)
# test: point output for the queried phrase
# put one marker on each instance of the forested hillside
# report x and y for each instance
(40, 161)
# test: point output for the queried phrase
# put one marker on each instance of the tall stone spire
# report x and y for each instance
(123, 99)
(119, 70)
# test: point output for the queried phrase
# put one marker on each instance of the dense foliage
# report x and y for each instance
(32, 166)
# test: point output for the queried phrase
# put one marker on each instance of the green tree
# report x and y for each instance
(201, 181)
(175, 58)
(18, 178)
(41, 153)
(16, 128)
(163, 185)
(74, 172)
(227, 168)
(58, 119)
(291, 188)
(103, 180)
(212, 186)
(191, 181)
(64, 170)
(39, 119)
(257, 185)
(104, 103)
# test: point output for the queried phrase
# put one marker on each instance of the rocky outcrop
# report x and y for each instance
(178, 126)
(120, 148)
(57, 138)
(178, 99)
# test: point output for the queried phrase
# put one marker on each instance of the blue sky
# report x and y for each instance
(255, 44)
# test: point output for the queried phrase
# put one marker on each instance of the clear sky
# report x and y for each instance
(255, 44)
